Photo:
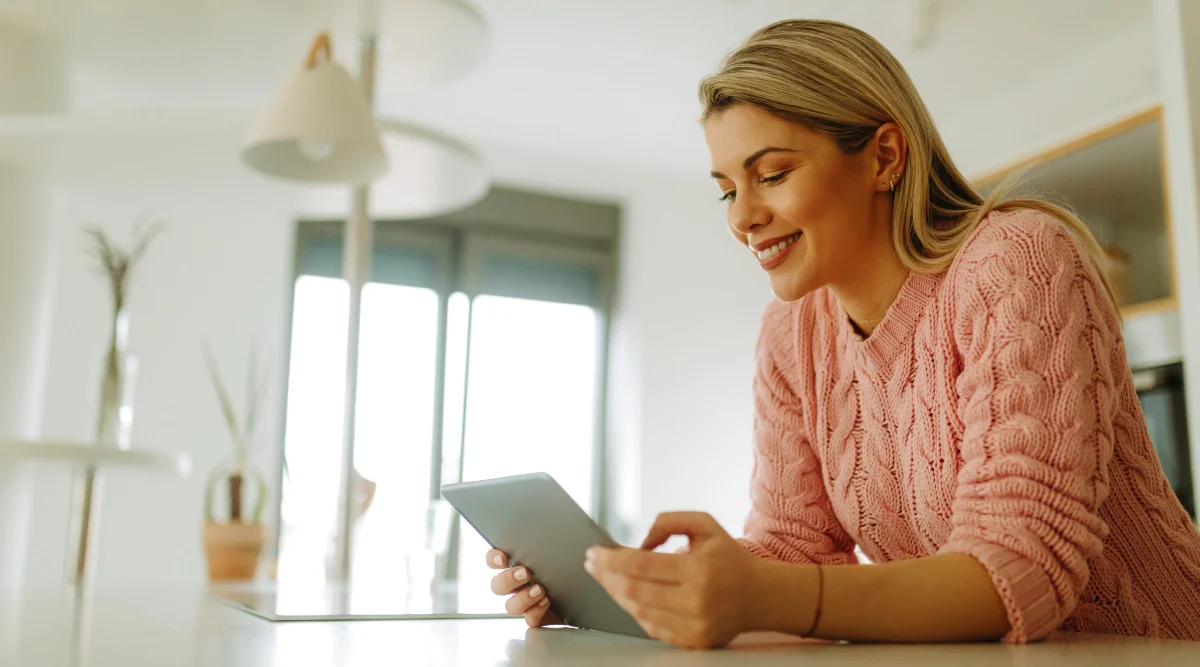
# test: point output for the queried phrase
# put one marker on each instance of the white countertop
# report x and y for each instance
(139, 628)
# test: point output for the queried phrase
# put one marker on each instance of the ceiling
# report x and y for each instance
(596, 82)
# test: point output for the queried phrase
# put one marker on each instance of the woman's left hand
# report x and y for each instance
(699, 599)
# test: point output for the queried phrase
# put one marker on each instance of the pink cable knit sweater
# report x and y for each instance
(991, 413)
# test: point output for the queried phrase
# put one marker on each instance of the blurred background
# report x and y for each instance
(551, 285)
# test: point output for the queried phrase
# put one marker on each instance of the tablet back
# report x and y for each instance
(533, 520)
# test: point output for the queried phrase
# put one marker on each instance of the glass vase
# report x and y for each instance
(118, 375)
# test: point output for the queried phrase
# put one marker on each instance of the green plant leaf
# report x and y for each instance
(210, 488)
(226, 403)
(251, 413)
(257, 381)
(261, 502)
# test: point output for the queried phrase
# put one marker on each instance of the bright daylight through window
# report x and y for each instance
(450, 387)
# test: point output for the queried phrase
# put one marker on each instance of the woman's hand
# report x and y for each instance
(699, 599)
(528, 599)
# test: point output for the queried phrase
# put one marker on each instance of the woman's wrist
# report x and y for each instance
(783, 597)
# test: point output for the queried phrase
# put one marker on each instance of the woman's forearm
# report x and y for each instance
(944, 598)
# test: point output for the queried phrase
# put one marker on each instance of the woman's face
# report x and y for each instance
(804, 208)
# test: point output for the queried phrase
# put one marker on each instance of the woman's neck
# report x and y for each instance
(867, 292)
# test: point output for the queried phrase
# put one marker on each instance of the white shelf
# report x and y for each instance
(147, 458)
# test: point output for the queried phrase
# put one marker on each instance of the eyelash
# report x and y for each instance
(768, 181)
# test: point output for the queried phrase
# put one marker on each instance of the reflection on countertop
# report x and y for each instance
(167, 626)
(553, 646)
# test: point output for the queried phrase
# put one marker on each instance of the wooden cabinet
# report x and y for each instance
(1114, 178)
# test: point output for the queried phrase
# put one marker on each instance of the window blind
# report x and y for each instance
(496, 272)
(392, 264)
(539, 279)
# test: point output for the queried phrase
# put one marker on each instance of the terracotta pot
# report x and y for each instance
(232, 549)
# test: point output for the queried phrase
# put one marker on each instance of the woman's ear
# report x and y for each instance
(891, 150)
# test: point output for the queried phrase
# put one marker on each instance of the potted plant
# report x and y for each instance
(232, 547)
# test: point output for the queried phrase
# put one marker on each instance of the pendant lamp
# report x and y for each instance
(317, 127)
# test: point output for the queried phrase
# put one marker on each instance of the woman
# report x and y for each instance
(941, 383)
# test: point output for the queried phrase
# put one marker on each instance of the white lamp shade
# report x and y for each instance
(430, 174)
(317, 128)
(428, 42)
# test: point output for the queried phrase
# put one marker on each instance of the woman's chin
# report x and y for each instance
(791, 287)
(793, 279)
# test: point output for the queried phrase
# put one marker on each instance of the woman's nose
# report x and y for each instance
(746, 215)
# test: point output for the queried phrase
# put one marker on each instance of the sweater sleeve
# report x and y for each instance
(1036, 334)
(791, 518)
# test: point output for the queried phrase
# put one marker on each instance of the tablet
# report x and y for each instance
(533, 520)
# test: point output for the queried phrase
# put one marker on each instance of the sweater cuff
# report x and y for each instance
(756, 549)
(1029, 596)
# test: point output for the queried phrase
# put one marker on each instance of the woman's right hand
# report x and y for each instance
(528, 599)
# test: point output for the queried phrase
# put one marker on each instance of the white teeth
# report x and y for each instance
(773, 250)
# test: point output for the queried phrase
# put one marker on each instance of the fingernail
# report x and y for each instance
(587, 565)
(535, 591)
(521, 574)
(498, 560)
(544, 602)
(590, 553)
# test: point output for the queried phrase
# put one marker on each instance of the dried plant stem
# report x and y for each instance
(116, 264)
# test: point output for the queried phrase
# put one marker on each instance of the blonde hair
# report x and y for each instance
(839, 81)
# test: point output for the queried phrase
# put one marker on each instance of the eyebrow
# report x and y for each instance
(749, 162)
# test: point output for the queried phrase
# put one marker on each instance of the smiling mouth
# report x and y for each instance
(768, 253)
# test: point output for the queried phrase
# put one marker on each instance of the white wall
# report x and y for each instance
(28, 207)
(26, 304)
(26, 295)
(692, 298)
(1115, 77)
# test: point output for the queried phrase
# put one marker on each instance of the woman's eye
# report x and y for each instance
(765, 180)
(771, 180)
